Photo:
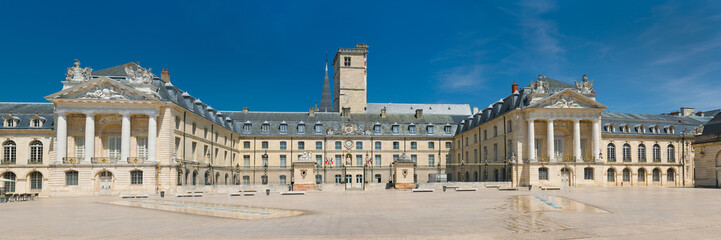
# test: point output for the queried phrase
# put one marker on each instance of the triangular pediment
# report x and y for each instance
(567, 99)
(102, 88)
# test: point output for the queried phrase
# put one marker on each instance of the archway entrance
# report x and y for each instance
(565, 177)
(105, 183)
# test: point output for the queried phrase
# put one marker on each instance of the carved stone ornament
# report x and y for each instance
(303, 173)
(405, 172)
(350, 129)
(105, 93)
(540, 86)
(585, 86)
(138, 74)
(564, 102)
(78, 74)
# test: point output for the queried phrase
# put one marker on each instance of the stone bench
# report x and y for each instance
(466, 189)
(249, 190)
(507, 189)
(248, 194)
(421, 190)
(493, 186)
(189, 195)
(293, 193)
(550, 188)
(134, 196)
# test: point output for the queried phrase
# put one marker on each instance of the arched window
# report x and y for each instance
(611, 175)
(9, 152)
(71, 178)
(656, 175)
(671, 151)
(641, 153)
(195, 178)
(207, 178)
(641, 175)
(36, 152)
(588, 173)
(475, 176)
(611, 152)
(226, 179)
(656, 153)
(543, 173)
(136, 177)
(9, 186)
(495, 175)
(217, 178)
(670, 175)
(626, 152)
(626, 175)
(36, 181)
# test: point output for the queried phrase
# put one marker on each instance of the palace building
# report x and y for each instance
(123, 129)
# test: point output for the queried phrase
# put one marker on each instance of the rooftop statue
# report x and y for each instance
(138, 74)
(540, 86)
(78, 74)
(585, 86)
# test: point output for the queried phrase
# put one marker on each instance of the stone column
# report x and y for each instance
(62, 138)
(125, 138)
(596, 138)
(549, 136)
(577, 140)
(531, 141)
(152, 136)
(89, 136)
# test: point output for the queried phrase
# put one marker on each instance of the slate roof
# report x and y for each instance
(711, 131)
(25, 111)
(681, 125)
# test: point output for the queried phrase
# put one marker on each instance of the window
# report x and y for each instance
(36, 152)
(338, 145)
(359, 160)
(264, 158)
(641, 175)
(264, 145)
(641, 153)
(378, 160)
(429, 129)
(301, 145)
(377, 145)
(71, 178)
(414, 145)
(318, 128)
(396, 145)
(431, 146)
(558, 148)
(378, 178)
(264, 179)
(485, 134)
(283, 128)
(283, 161)
(247, 127)
(449, 145)
(282, 179)
(670, 175)
(301, 128)
(9, 186)
(246, 180)
(510, 126)
(475, 155)
(626, 153)
(394, 129)
(377, 129)
(656, 153)
(485, 153)
(136, 177)
(142, 147)
(318, 179)
(318, 160)
(543, 174)
(177, 122)
(671, 153)
(495, 131)
(9, 152)
(193, 147)
(283, 145)
(10, 122)
(358, 178)
(412, 129)
(318, 145)
(447, 129)
(338, 179)
(495, 152)
(626, 175)
(359, 145)
(195, 127)
(246, 145)
(611, 152)
(36, 181)
(431, 160)
(395, 157)
(611, 175)
(475, 138)
(265, 127)
(37, 122)
(509, 148)
(246, 161)
(656, 175)
(588, 173)
(346, 61)
(338, 160)
(205, 133)
(414, 158)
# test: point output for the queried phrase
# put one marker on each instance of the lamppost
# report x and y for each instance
(265, 168)
(236, 179)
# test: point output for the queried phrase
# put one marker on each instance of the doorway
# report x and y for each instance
(565, 177)
(105, 183)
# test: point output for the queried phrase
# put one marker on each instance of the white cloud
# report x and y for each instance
(461, 78)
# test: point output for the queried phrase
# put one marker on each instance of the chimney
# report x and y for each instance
(514, 87)
(419, 113)
(361, 45)
(475, 110)
(383, 113)
(687, 111)
(165, 75)
(311, 111)
(345, 112)
(245, 110)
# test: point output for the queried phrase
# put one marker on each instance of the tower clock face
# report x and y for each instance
(348, 143)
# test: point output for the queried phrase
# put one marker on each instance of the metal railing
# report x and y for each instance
(35, 161)
(8, 161)
(137, 160)
(103, 160)
(71, 160)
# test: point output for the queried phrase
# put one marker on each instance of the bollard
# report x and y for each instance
(444, 188)
(267, 191)
(162, 194)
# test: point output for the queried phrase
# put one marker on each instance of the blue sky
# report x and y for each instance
(644, 56)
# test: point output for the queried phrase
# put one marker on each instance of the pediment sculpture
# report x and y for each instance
(540, 86)
(564, 102)
(78, 74)
(585, 86)
(104, 93)
(138, 74)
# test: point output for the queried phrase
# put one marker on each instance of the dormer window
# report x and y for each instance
(447, 129)
(301, 128)
(318, 128)
(429, 129)
(11, 121)
(668, 130)
(394, 128)
(283, 127)
(377, 129)
(265, 127)
(247, 127)
(37, 121)
(412, 129)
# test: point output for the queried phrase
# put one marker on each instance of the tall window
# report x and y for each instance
(670, 175)
(318, 145)
(36, 152)
(338, 179)
(246, 180)
(611, 175)
(359, 160)
(283, 161)
(377, 145)
(543, 173)
(195, 127)
(656, 175)
(359, 145)
(641, 175)
(656, 153)
(377, 161)
(318, 179)
(495, 131)
(36, 181)
(142, 147)
(136, 177)
(626, 175)
(611, 152)
(246, 161)
(319, 160)
(431, 145)
(9, 152)
(338, 160)
(495, 152)
(626, 153)
(283, 145)
(282, 179)
(641, 153)
(71, 178)
(588, 173)
(671, 153)
(449, 145)
(9, 186)
(79, 147)
(510, 126)
(246, 145)
(431, 160)
(414, 158)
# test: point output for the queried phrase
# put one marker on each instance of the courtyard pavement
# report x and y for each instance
(633, 213)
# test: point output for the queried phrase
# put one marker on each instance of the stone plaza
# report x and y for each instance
(620, 213)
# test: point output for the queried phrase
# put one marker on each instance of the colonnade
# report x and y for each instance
(550, 148)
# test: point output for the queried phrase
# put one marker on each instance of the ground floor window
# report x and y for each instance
(641, 175)
(543, 174)
(611, 175)
(670, 174)
(246, 180)
(338, 178)
(378, 178)
(318, 179)
(588, 173)
(282, 179)
(358, 178)
(71, 178)
(136, 177)
(9, 186)
(626, 175)
(656, 175)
